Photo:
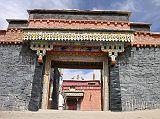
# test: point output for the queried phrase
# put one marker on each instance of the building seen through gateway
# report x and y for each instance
(76, 93)
(34, 51)
(82, 95)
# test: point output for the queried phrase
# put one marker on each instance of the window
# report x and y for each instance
(72, 88)
(91, 84)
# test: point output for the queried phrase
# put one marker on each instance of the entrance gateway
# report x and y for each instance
(72, 48)
(127, 53)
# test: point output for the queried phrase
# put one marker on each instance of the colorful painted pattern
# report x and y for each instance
(78, 36)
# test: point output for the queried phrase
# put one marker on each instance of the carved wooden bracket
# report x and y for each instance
(40, 54)
(113, 48)
(113, 56)
(41, 47)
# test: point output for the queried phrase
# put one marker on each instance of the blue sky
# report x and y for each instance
(86, 74)
(142, 11)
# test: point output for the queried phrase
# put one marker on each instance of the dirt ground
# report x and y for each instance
(55, 114)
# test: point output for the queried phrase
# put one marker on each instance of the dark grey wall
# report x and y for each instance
(140, 27)
(37, 86)
(18, 24)
(134, 80)
(139, 77)
(74, 16)
(115, 91)
(55, 94)
(18, 76)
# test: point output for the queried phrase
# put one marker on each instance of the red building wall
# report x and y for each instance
(91, 101)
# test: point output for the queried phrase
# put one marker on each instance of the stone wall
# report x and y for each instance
(140, 27)
(138, 71)
(115, 92)
(18, 24)
(19, 72)
(134, 80)
(80, 16)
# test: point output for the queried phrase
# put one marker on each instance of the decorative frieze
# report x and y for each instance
(73, 94)
(78, 36)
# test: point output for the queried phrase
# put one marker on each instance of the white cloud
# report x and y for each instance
(17, 9)
(142, 11)
(87, 75)
(11, 10)
(126, 5)
(156, 2)
(96, 9)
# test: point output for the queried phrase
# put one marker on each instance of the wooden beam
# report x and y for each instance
(77, 65)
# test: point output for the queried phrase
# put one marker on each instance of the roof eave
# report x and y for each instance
(141, 23)
(79, 11)
(16, 20)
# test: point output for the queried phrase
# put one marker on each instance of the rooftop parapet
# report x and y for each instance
(115, 15)
(17, 23)
(138, 26)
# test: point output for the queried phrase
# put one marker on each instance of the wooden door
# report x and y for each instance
(72, 103)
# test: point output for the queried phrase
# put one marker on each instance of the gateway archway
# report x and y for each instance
(85, 93)
(85, 47)
(74, 61)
